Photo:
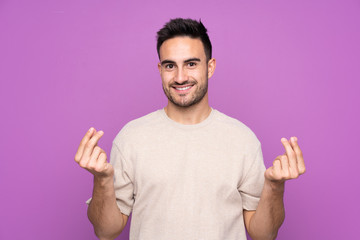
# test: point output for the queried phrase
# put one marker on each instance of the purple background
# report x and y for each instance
(284, 68)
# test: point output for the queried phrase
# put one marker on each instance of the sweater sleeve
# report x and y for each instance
(123, 181)
(251, 187)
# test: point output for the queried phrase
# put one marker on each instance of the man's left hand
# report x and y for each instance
(287, 166)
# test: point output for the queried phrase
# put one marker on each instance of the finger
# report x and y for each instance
(101, 164)
(285, 171)
(89, 146)
(276, 169)
(299, 155)
(94, 156)
(291, 156)
(83, 141)
(90, 162)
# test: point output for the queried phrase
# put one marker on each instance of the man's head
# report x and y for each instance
(180, 27)
(185, 62)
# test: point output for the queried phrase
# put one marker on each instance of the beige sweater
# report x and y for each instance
(187, 181)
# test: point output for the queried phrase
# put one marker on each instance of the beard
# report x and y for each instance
(191, 100)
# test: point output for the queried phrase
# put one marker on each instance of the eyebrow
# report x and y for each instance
(186, 61)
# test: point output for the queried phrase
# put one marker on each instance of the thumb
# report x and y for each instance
(270, 174)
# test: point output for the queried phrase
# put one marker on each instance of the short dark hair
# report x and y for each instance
(184, 27)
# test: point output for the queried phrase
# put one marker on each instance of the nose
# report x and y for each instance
(181, 76)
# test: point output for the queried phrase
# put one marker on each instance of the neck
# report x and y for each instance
(189, 115)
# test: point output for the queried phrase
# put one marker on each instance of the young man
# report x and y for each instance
(187, 171)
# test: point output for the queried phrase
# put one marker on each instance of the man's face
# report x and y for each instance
(184, 70)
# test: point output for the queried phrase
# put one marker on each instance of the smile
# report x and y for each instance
(183, 88)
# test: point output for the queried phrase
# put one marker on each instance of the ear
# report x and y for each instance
(211, 67)
(159, 67)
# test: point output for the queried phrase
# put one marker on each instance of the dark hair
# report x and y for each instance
(184, 27)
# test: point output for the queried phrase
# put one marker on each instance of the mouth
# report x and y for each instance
(183, 89)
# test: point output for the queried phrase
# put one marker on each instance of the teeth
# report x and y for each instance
(184, 88)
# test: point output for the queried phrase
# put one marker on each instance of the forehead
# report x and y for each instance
(179, 48)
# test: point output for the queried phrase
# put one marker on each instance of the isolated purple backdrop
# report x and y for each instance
(284, 68)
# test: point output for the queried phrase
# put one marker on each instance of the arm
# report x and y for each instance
(265, 222)
(103, 211)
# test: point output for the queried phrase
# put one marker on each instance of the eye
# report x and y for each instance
(169, 66)
(191, 64)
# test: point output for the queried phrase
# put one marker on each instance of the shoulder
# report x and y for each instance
(234, 128)
(139, 126)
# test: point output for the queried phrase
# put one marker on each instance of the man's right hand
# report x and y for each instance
(103, 212)
(91, 157)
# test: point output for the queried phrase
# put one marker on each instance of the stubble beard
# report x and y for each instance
(198, 95)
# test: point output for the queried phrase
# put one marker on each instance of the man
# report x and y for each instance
(187, 171)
